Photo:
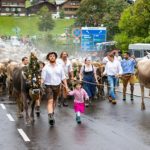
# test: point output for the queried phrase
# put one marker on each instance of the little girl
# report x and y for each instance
(80, 96)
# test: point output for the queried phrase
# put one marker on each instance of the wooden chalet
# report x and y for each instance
(70, 7)
(36, 7)
(10, 7)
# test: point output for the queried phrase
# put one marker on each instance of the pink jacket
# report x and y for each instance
(79, 95)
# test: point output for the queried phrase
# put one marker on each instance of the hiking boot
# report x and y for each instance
(65, 104)
(124, 99)
(51, 119)
(114, 102)
(110, 99)
(78, 119)
(86, 103)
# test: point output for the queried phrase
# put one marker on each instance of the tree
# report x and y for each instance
(33, 1)
(27, 3)
(112, 16)
(16, 11)
(135, 22)
(46, 22)
(122, 41)
(62, 14)
(91, 15)
(98, 12)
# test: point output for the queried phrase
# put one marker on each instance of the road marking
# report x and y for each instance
(10, 117)
(3, 106)
(24, 136)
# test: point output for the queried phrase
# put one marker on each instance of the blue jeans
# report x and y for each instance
(112, 80)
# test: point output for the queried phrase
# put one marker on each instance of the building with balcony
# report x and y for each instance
(11, 7)
(41, 3)
(70, 7)
(17, 7)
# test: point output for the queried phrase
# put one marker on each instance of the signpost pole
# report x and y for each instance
(76, 32)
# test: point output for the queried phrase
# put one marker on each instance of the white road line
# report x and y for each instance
(3, 106)
(24, 136)
(10, 117)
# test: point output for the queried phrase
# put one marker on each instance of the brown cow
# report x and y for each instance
(143, 74)
(10, 67)
(2, 77)
(26, 88)
(101, 79)
(76, 69)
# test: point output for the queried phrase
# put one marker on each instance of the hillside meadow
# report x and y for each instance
(28, 25)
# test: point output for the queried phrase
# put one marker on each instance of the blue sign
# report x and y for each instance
(91, 36)
(76, 32)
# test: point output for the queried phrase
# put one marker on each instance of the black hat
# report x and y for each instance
(50, 53)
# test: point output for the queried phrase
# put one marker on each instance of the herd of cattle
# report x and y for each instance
(14, 82)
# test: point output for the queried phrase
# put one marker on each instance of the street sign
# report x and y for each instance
(91, 36)
(76, 40)
(77, 32)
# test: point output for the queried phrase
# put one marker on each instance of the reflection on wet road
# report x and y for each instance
(104, 127)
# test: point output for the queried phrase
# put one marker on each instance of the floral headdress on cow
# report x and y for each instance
(33, 72)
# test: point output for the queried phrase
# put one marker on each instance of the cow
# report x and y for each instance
(101, 79)
(143, 74)
(3, 77)
(76, 65)
(16, 87)
(26, 89)
(10, 67)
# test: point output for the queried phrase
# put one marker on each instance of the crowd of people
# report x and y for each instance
(58, 74)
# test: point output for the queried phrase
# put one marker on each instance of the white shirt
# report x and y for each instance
(105, 60)
(53, 75)
(113, 68)
(66, 66)
(118, 58)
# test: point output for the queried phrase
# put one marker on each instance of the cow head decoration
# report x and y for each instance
(33, 76)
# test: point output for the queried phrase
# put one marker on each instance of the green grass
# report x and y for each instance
(28, 25)
(60, 26)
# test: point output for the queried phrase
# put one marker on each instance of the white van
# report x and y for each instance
(139, 50)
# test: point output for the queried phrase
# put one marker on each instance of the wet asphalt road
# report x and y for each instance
(104, 127)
